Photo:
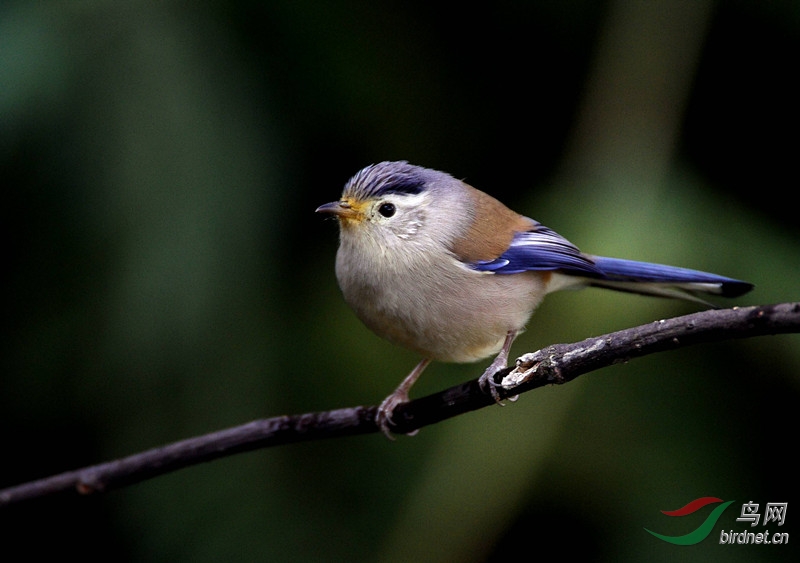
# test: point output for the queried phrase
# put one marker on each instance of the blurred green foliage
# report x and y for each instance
(166, 275)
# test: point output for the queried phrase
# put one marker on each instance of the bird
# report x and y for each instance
(432, 264)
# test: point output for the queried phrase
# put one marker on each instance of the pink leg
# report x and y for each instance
(399, 395)
(500, 362)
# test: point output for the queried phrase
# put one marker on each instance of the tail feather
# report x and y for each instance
(664, 281)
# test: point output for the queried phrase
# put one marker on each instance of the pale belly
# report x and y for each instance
(462, 318)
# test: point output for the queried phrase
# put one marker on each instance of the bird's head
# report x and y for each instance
(393, 203)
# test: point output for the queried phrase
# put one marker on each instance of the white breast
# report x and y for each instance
(430, 303)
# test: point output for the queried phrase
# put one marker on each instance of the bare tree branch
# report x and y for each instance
(555, 364)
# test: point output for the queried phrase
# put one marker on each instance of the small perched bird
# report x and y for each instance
(432, 264)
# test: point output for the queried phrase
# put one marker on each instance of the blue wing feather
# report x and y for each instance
(543, 249)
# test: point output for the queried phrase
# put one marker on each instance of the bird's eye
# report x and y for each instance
(387, 209)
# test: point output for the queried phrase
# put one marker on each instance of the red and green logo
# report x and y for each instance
(703, 530)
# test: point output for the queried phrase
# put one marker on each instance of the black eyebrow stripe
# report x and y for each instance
(402, 185)
(387, 178)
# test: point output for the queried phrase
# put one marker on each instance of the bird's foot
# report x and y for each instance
(383, 418)
(400, 395)
(488, 382)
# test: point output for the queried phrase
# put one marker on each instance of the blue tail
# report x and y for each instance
(667, 281)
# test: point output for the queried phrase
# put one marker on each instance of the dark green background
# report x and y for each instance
(166, 276)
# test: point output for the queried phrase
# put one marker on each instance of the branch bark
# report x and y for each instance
(556, 364)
